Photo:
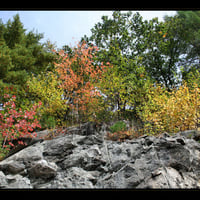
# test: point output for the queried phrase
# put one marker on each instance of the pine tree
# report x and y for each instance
(21, 56)
(5, 59)
(22, 53)
(14, 32)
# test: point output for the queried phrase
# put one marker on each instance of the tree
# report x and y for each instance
(123, 30)
(124, 84)
(22, 53)
(79, 73)
(158, 45)
(5, 59)
(45, 88)
(122, 41)
(191, 37)
(14, 33)
(163, 56)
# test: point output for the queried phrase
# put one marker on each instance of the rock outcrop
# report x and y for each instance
(83, 158)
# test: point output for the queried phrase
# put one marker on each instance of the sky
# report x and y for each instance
(67, 27)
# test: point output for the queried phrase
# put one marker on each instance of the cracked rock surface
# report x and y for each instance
(83, 158)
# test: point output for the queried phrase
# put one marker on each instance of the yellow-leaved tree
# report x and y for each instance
(46, 88)
(173, 111)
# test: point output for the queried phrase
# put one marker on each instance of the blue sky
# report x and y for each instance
(67, 27)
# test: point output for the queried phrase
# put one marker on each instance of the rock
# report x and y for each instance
(43, 134)
(18, 147)
(80, 178)
(58, 148)
(14, 181)
(43, 169)
(18, 181)
(88, 159)
(3, 180)
(29, 154)
(168, 177)
(12, 167)
(84, 129)
(83, 158)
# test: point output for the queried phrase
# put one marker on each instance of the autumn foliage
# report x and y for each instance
(79, 74)
(16, 123)
(173, 111)
(146, 72)
(165, 111)
(45, 88)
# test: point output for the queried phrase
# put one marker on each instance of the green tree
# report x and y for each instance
(123, 30)
(164, 54)
(5, 59)
(22, 52)
(191, 37)
(124, 84)
(159, 45)
(22, 55)
(122, 41)
(14, 32)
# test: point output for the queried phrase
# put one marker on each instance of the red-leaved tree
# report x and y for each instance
(15, 123)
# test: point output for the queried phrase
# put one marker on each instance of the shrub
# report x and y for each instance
(118, 132)
(122, 135)
(173, 111)
(48, 121)
(118, 126)
(15, 123)
(45, 87)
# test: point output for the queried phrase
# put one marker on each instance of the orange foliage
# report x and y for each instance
(79, 73)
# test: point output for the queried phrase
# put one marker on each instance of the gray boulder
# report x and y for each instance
(14, 181)
(43, 169)
(84, 158)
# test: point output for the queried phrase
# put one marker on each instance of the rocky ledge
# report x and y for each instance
(83, 158)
